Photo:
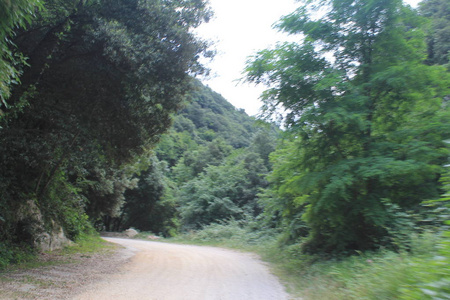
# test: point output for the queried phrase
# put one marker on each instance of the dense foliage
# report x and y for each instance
(208, 168)
(438, 31)
(100, 84)
(367, 118)
(13, 14)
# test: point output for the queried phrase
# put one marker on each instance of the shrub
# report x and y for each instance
(13, 254)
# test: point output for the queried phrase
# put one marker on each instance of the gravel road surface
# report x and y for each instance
(161, 271)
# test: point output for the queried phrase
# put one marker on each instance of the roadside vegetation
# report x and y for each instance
(85, 244)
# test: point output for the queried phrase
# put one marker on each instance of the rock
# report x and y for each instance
(53, 240)
(45, 237)
(130, 232)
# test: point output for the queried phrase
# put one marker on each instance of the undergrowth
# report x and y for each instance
(239, 234)
(15, 254)
(87, 243)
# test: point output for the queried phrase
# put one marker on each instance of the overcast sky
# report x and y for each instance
(239, 29)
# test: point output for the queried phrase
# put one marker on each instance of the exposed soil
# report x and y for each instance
(149, 270)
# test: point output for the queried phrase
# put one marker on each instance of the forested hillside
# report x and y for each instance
(208, 168)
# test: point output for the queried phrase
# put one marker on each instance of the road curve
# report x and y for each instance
(161, 271)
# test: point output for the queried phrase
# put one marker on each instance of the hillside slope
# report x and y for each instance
(209, 167)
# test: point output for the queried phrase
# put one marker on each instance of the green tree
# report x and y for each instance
(229, 190)
(210, 112)
(13, 14)
(104, 79)
(196, 161)
(264, 143)
(369, 122)
(209, 197)
(283, 205)
(173, 145)
(438, 34)
(150, 206)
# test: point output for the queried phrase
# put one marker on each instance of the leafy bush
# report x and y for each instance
(77, 224)
(218, 232)
(242, 234)
(12, 254)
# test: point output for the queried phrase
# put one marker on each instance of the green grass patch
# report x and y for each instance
(88, 243)
(371, 275)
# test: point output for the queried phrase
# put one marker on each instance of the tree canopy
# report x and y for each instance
(101, 82)
(366, 115)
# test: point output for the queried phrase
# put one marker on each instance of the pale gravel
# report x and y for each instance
(150, 270)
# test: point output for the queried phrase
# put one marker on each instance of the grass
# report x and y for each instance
(372, 276)
(88, 243)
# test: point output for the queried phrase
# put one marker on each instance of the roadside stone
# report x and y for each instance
(46, 236)
(131, 232)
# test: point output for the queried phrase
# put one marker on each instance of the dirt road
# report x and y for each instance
(161, 271)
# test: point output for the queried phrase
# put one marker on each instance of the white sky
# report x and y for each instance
(239, 29)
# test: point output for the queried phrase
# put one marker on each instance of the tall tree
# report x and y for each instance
(367, 115)
(103, 80)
